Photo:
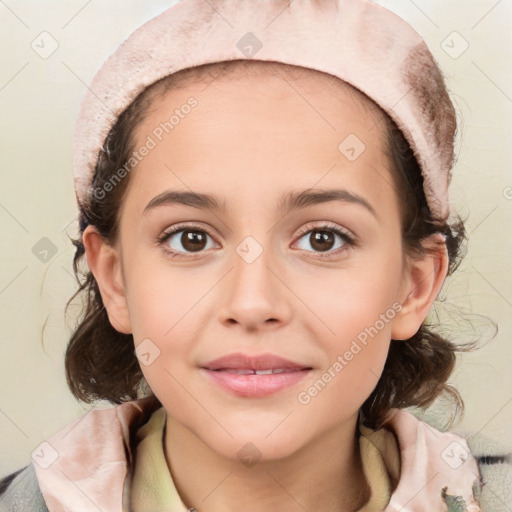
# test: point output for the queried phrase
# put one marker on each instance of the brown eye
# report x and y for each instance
(322, 240)
(182, 240)
(193, 240)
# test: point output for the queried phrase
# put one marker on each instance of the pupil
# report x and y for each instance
(319, 239)
(193, 240)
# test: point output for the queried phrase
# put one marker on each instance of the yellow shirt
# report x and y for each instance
(153, 489)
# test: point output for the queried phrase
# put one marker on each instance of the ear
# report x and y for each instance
(423, 278)
(105, 264)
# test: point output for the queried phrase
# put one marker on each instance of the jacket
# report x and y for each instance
(86, 467)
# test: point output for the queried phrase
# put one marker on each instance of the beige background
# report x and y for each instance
(39, 102)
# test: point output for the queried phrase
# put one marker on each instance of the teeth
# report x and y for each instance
(256, 372)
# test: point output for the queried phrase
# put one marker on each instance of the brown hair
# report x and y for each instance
(101, 363)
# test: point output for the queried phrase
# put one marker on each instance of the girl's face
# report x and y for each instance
(263, 271)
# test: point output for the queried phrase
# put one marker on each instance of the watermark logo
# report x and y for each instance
(157, 135)
(352, 147)
(44, 249)
(454, 45)
(45, 455)
(249, 45)
(147, 352)
(455, 455)
(45, 45)
(249, 249)
(249, 454)
(343, 360)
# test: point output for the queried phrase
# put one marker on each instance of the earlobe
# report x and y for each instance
(424, 279)
(105, 265)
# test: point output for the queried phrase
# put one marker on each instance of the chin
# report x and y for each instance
(252, 446)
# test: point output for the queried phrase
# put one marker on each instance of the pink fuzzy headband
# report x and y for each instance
(357, 41)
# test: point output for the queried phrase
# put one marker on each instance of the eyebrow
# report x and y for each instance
(290, 201)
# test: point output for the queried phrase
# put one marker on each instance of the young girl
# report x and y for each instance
(262, 190)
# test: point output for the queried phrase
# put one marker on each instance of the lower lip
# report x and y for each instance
(255, 386)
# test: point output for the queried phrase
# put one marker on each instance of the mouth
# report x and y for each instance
(265, 363)
(252, 371)
(251, 383)
(254, 376)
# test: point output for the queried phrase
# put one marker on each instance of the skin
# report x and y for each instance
(249, 141)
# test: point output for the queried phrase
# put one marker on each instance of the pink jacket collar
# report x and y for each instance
(84, 467)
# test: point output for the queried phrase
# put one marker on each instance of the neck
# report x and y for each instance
(326, 474)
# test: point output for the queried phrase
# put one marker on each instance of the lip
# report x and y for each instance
(240, 361)
(252, 385)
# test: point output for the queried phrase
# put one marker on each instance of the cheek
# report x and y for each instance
(354, 310)
(356, 348)
(350, 300)
(165, 307)
(160, 299)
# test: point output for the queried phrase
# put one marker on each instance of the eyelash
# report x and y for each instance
(349, 241)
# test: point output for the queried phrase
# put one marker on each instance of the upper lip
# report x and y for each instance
(239, 361)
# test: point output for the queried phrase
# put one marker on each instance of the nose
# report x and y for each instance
(254, 294)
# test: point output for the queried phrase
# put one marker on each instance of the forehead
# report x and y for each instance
(245, 94)
(265, 78)
(263, 125)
